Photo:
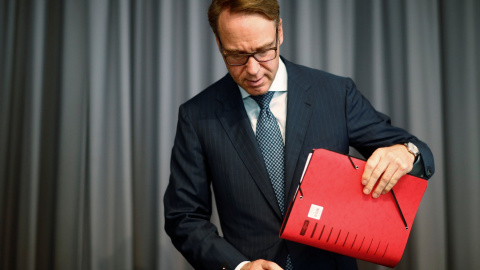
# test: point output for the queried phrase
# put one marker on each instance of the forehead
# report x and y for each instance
(245, 32)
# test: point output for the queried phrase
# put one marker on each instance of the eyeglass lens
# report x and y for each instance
(242, 59)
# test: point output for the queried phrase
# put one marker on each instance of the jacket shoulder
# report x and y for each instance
(210, 94)
(296, 70)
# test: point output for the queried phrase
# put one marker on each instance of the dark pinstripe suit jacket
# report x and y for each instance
(215, 147)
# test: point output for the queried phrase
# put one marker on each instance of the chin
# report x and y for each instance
(256, 91)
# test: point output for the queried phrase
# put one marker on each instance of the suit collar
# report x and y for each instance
(299, 111)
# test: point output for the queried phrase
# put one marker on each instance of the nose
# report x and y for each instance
(252, 66)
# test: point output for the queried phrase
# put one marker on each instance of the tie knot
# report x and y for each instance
(263, 100)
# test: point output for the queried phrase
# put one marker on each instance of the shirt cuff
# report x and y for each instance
(241, 265)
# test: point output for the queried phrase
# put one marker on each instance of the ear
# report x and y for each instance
(218, 44)
(280, 32)
(220, 50)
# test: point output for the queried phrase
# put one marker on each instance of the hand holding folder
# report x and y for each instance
(330, 211)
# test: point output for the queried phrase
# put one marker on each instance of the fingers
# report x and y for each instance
(386, 166)
(261, 265)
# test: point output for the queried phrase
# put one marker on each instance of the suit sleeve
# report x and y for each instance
(369, 129)
(188, 205)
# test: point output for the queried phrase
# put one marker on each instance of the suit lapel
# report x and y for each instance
(299, 111)
(234, 120)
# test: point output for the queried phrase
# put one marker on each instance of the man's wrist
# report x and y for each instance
(412, 149)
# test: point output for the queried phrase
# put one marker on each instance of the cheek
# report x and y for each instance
(270, 67)
(269, 71)
(236, 72)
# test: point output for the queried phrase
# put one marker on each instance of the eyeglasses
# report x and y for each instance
(240, 59)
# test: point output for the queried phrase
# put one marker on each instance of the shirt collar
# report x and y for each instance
(278, 84)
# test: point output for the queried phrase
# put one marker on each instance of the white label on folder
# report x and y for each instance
(315, 211)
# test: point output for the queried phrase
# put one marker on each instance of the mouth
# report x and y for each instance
(255, 83)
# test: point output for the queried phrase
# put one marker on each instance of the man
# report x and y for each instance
(218, 145)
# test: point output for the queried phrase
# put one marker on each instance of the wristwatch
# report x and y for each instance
(412, 148)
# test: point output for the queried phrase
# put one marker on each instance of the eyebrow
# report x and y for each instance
(259, 49)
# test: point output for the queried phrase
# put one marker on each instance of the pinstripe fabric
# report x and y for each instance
(215, 147)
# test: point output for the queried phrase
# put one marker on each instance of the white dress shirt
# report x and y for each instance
(278, 105)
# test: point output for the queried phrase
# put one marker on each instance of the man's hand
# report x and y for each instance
(386, 165)
(261, 265)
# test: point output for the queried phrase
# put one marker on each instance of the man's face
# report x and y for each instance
(247, 33)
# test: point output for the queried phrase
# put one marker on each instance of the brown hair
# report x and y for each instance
(268, 8)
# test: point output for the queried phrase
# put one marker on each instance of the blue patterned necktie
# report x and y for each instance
(270, 140)
(271, 145)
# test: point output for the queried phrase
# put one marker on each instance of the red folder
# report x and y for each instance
(330, 211)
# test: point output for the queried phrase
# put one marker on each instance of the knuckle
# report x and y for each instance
(391, 185)
(368, 166)
(370, 185)
(398, 161)
(402, 165)
(381, 150)
(391, 156)
(394, 180)
(376, 175)
(405, 167)
(385, 180)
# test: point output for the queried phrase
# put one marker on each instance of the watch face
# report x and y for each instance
(412, 148)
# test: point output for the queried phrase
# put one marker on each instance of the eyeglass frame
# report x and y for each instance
(250, 54)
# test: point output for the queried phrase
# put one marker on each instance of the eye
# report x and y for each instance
(236, 57)
(262, 53)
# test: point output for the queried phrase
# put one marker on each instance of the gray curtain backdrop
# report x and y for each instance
(89, 92)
